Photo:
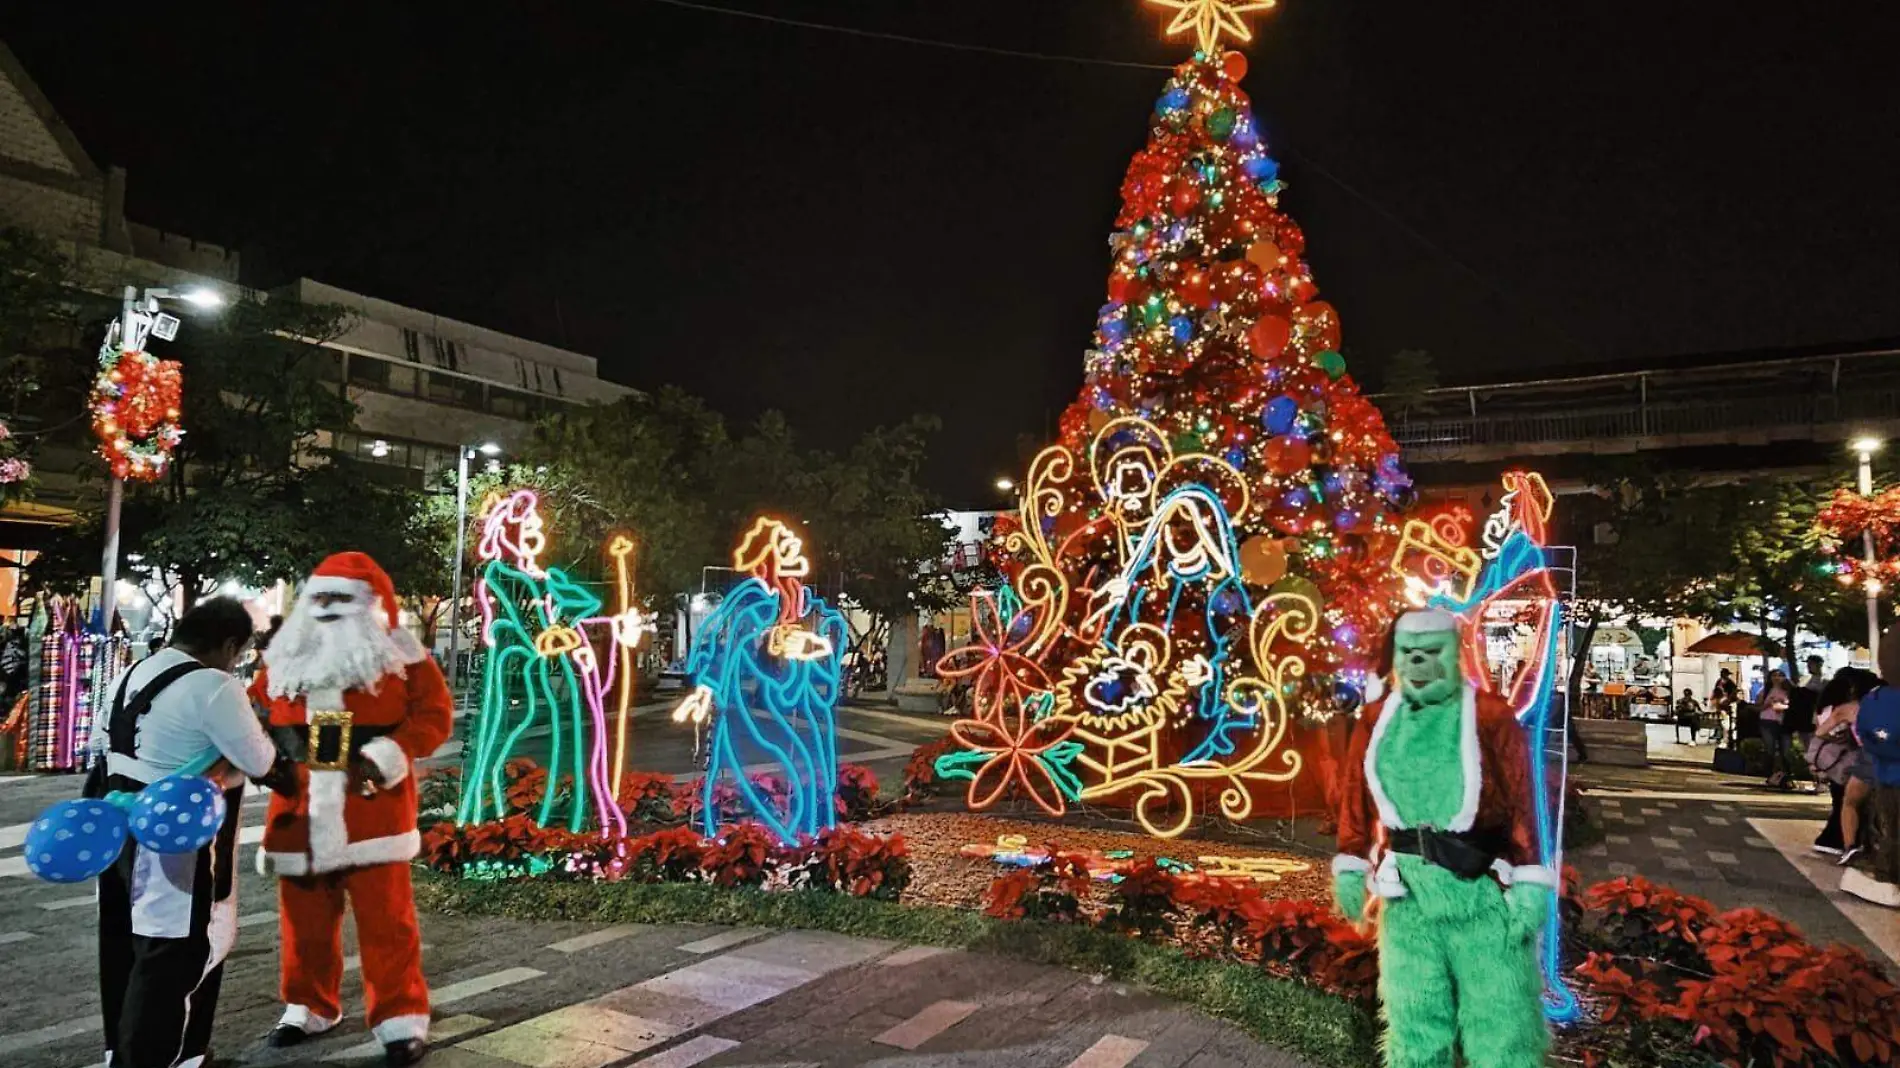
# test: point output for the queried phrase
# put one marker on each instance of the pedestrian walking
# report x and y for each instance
(1838, 760)
(1775, 698)
(1688, 714)
(166, 921)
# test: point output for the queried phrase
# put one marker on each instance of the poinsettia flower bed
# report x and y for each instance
(843, 860)
(1672, 980)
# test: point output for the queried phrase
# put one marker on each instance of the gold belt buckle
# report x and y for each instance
(330, 740)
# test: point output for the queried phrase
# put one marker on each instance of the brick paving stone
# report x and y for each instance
(1665, 843)
(1620, 868)
(1677, 864)
(1723, 858)
(1682, 832)
(1716, 821)
(1617, 839)
(1651, 811)
(1758, 843)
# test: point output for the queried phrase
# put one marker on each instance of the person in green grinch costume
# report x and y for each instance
(1437, 845)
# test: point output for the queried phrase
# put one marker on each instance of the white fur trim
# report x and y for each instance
(301, 1018)
(1534, 874)
(329, 834)
(334, 584)
(1473, 766)
(391, 762)
(391, 849)
(1425, 621)
(1386, 881)
(1345, 862)
(1388, 812)
(400, 1028)
(1375, 688)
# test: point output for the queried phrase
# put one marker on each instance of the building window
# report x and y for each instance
(402, 379)
(446, 354)
(368, 372)
(446, 389)
(507, 402)
(411, 346)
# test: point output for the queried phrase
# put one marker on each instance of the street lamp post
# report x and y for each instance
(138, 318)
(1866, 447)
(463, 454)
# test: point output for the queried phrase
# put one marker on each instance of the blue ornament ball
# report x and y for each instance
(1346, 696)
(1182, 327)
(73, 841)
(177, 814)
(1262, 168)
(1174, 99)
(1280, 415)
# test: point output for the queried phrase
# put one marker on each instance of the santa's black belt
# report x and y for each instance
(326, 743)
(1466, 854)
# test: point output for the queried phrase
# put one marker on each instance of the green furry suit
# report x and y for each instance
(1436, 824)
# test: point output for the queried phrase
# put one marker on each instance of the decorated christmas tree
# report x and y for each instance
(1202, 569)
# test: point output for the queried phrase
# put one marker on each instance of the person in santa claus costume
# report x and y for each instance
(1437, 824)
(355, 701)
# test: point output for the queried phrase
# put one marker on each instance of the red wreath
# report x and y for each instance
(135, 409)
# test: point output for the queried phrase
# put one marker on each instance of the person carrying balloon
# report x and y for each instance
(168, 904)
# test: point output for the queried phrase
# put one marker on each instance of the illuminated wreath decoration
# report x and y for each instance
(135, 403)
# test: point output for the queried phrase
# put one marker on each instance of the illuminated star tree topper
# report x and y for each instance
(1212, 19)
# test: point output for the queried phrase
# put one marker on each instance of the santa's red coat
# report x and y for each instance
(1498, 792)
(328, 827)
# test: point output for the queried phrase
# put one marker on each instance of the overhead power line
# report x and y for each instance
(926, 42)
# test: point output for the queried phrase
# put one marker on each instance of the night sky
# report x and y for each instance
(853, 229)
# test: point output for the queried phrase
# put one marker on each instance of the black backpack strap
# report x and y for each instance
(123, 727)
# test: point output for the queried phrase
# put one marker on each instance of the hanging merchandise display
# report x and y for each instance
(75, 670)
(765, 670)
(542, 670)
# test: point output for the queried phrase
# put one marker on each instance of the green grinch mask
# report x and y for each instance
(1427, 665)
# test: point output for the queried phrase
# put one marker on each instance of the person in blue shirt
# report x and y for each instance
(1878, 727)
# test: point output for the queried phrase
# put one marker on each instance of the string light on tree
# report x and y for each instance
(1211, 19)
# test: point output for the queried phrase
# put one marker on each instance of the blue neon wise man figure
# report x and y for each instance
(765, 669)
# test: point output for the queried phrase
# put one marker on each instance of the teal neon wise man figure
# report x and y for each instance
(765, 670)
(534, 675)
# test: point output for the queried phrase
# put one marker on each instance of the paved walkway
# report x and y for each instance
(1730, 840)
(567, 995)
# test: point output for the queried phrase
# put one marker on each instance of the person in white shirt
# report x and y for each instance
(166, 921)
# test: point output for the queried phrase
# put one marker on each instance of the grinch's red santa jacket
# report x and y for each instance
(1498, 802)
(328, 826)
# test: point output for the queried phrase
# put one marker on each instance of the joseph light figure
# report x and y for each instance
(765, 670)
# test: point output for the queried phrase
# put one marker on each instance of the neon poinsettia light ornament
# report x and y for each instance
(135, 412)
(1846, 519)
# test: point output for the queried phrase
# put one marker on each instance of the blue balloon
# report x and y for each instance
(1262, 168)
(178, 814)
(1281, 412)
(73, 841)
(1174, 99)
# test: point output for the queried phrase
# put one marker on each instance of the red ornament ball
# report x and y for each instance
(1288, 455)
(1234, 66)
(1269, 337)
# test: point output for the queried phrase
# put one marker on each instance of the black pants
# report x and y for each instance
(1780, 743)
(1831, 834)
(159, 995)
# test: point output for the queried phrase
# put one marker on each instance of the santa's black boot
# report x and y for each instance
(404, 1052)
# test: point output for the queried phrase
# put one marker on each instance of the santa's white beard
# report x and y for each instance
(337, 649)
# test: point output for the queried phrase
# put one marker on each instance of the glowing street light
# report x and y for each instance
(1005, 485)
(463, 454)
(1864, 447)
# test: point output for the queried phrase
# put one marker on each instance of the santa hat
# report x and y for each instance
(357, 575)
(1426, 620)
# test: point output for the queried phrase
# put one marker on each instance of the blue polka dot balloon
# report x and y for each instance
(73, 841)
(179, 814)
